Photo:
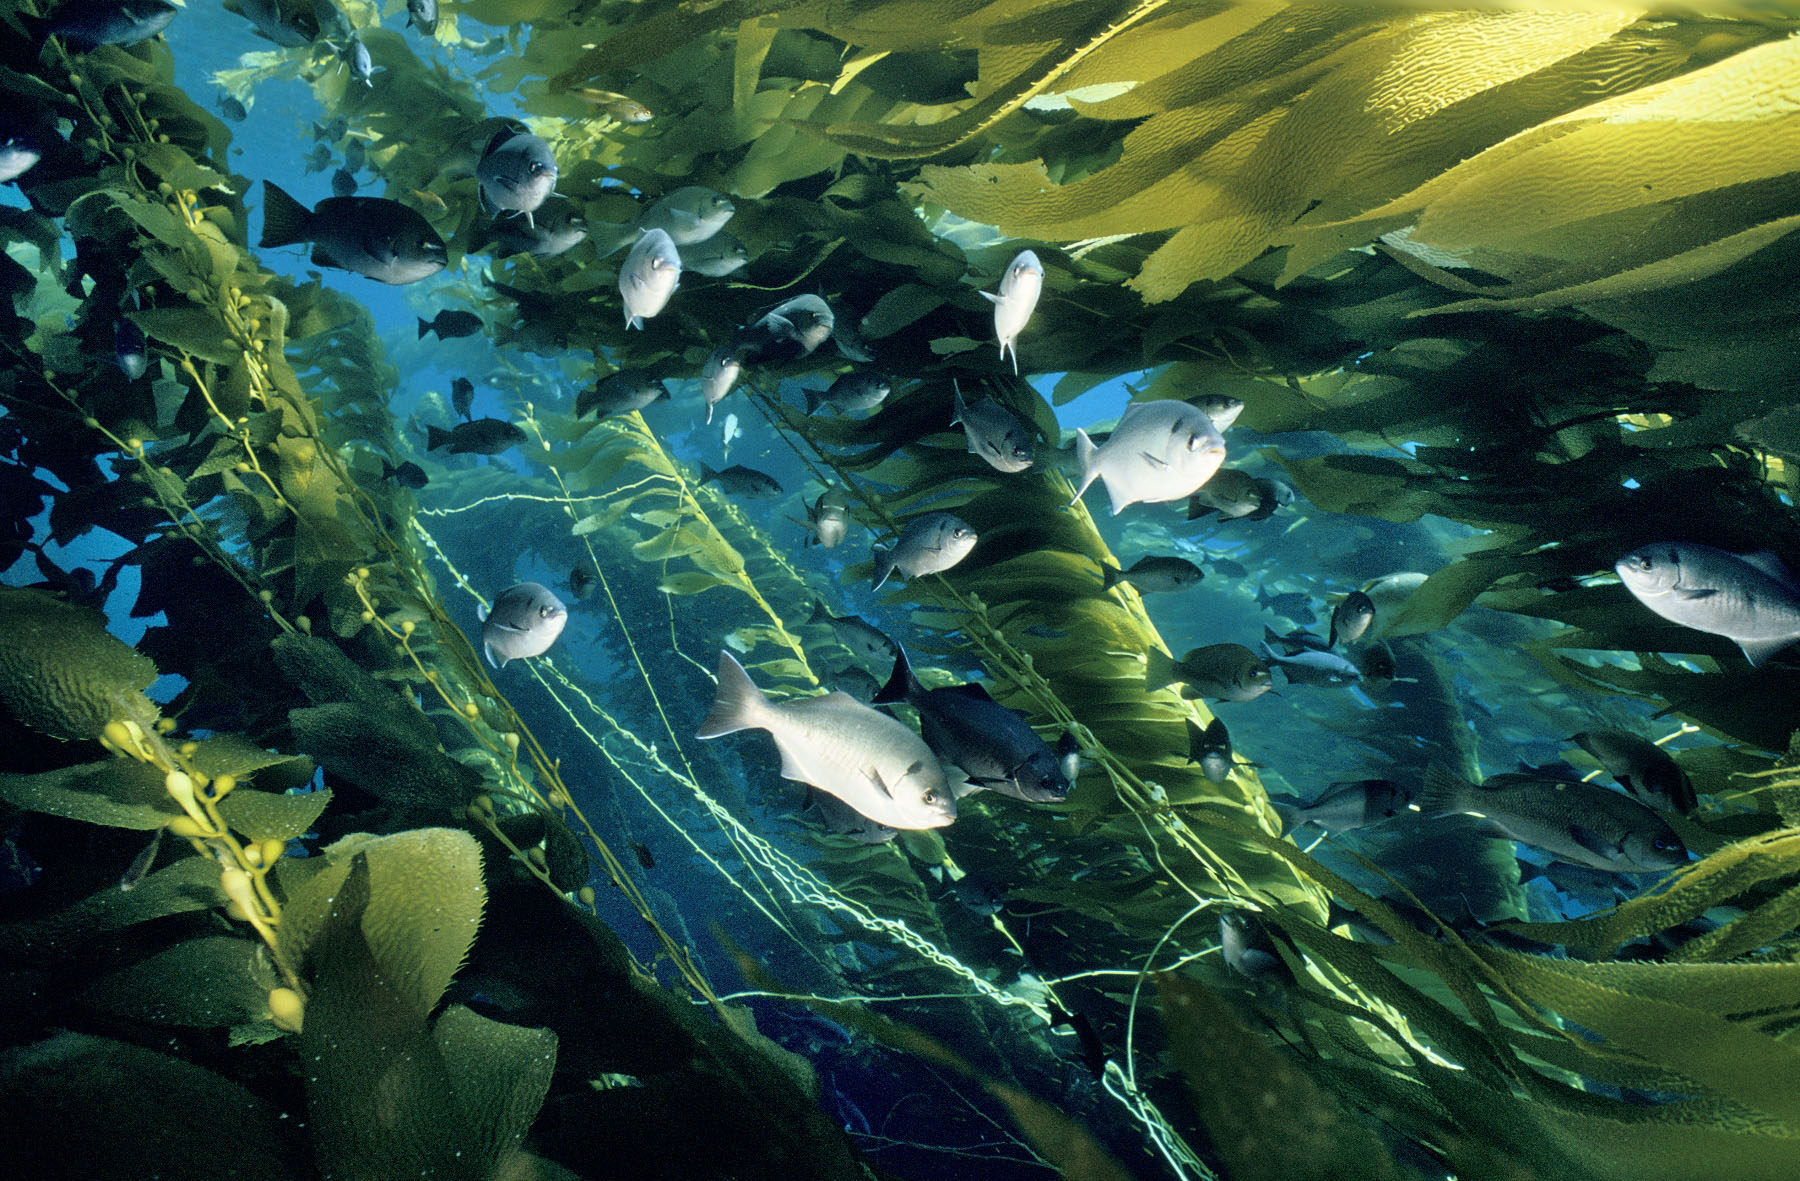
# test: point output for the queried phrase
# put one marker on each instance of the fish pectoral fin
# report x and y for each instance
(874, 777)
(990, 296)
(505, 627)
(1152, 460)
(1594, 843)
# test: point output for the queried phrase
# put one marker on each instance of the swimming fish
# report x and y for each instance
(1221, 408)
(462, 396)
(649, 276)
(140, 865)
(729, 434)
(1020, 287)
(853, 391)
(1295, 641)
(1313, 667)
(1644, 769)
(864, 639)
(516, 173)
(790, 330)
(1211, 748)
(554, 229)
(738, 480)
(828, 518)
(422, 15)
(1349, 805)
(857, 682)
(319, 160)
(688, 215)
(1160, 451)
(232, 109)
(87, 24)
(928, 544)
(20, 151)
(1153, 574)
(1225, 672)
(355, 155)
(1288, 604)
(1376, 664)
(369, 236)
(355, 58)
(582, 581)
(1351, 618)
(619, 106)
(450, 324)
(1580, 823)
(407, 475)
(130, 349)
(994, 433)
(621, 393)
(524, 621)
(718, 376)
(483, 436)
(716, 257)
(1751, 599)
(839, 746)
(1230, 493)
(1246, 948)
(645, 858)
(993, 746)
(343, 184)
(289, 24)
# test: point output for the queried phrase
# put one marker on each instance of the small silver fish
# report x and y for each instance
(1211, 748)
(140, 865)
(19, 153)
(422, 15)
(1350, 619)
(861, 390)
(689, 215)
(362, 67)
(865, 640)
(516, 173)
(1313, 667)
(1752, 600)
(1020, 287)
(729, 434)
(718, 376)
(1344, 807)
(130, 349)
(1160, 451)
(928, 544)
(994, 433)
(525, 620)
(828, 518)
(649, 276)
(716, 257)
(1221, 408)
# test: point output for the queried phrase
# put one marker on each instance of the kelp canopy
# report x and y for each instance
(1529, 271)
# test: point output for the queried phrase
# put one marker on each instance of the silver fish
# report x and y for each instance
(130, 349)
(370, 236)
(1160, 451)
(1020, 287)
(516, 173)
(140, 865)
(865, 640)
(1343, 807)
(928, 544)
(1211, 748)
(1644, 769)
(1313, 667)
(729, 434)
(1246, 948)
(422, 15)
(1576, 822)
(718, 376)
(1230, 493)
(860, 390)
(649, 277)
(805, 321)
(524, 621)
(289, 25)
(839, 746)
(994, 433)
(553, 229)
(828, 518)
(1221, 408)
(19, 154)
(716, 257)
(87, 24)
(1750, 599)
(356, 59)
(688, 215)
(1351, 618)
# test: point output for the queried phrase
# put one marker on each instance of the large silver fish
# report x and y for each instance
(516, 174)
(649, 276)
(1020, 287)
(689, 215)
(524, 621)
(1160, 451)
(928, 544)
(1750, 599)
(994, 433)
(840, 746)
(1580, 823)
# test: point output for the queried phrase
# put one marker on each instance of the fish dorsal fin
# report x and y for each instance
(971, 689)
(1768, 562)
(1594, 843)
(494, 141)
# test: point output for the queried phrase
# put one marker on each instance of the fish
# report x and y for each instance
(790, 330)
(288, 23)
(140, 865)
(1153, 574)
(645, 858)
(718, 376)
(857, 682)
(1641, 767)
(864, 639)
(462, 396)
(1160, 451)
(516, 173)
(860, 390)
(623, 392)
(1230, 493)
(649, 276)
(20, 151)
(1093, 1051)
(1246, 948)
(688, 215)
(828, 518)
(994, 433)
(89, 24)
(1292, 605)
(232, 109)
(1211, 748)
(1751, 599)
(994, 747)
(1020, 286)
(354, 57)
(319, 160)
(1295, 641)
(369, 236)
(716, 257)
(343, 184)
(1223, 409)
(582, 580)
(1376, 663)
(130, 349)
(422, 15)
(483, 436)
(928, 544)
(450, 324)
(553, 230)
(407, 475)
(847, 335)
(524, 621)
(1225, 672)
(841, 820)
(1350, 618)
(978, 897)
(1276, 495)
(428, 198)
(1314, 667)
(729, 434)
(333, 131)
(1349, 805)
(738, 480)
(852, 751)
(1580, 823)
(619, 106)
(355, 155)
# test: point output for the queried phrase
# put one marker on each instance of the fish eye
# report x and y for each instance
(930, 797)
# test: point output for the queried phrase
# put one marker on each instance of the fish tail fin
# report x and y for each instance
(884, 565)
(1109, 576)
(961, 410)
(901, 684)
(813, 401)
(1159, 670)
(388, 470)
(820, 614)
(1084, 455)
(738, 705)
(284, 219)
(1443, 792)
(1289, 814)
(709, 410)
(707, 475)
(1196, 740)
(424, 327)
(435, 438)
